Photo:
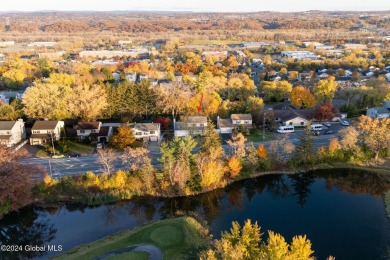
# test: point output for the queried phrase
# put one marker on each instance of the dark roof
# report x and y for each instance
(7, 125)
(43, 125)
(223, 123)
(103, 131)
(5, 137)
(40, 136)
(88, 125)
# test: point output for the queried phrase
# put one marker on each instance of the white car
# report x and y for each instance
(344, 122)
(327, 124)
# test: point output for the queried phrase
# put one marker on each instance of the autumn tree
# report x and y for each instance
(123, 137)
(302, 97)
(134, 158)
(334, 145)
(87, 102)
(349, 139)
(173, 99)
(50, 101)
(325, 89)
(237, 145)
(106, 158)
(15, 180)
(325, 112)
(61, 79)
(276, 90)
(235, 166)
(375, 133)
(262, 151)
(13, 78)
(304, 154)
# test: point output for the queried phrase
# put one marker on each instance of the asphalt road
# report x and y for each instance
(73, 166)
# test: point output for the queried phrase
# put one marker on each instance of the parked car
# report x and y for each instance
(345, 122)
(328, 132)
(316, 132)
(327, 124)
(73, 155)
(99, 146)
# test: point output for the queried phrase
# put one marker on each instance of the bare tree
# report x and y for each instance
(237, 144)
(134, 158)
(106, 158)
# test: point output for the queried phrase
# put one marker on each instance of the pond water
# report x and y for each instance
(342, 212)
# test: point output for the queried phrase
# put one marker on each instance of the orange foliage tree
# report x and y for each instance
(235, 166)
(302, 97)
(262, 151)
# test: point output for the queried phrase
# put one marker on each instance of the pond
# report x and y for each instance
(341, 211)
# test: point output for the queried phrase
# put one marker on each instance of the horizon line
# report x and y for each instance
(186, 11)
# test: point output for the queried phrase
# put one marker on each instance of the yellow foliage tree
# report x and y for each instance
(262, 151)
(212, 174)
(333, 145)
(276, 248)
(302, 97)
(235, 166)
(300, 248)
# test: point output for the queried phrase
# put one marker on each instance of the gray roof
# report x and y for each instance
(7, 125)
(195, 120)
(146, 127)
(241, 117)
(43, 125)
(225, 123)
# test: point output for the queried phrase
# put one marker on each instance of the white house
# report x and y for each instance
(45, 131)
(226, 126)
(146, 131)
(93, 131)
(192, 125)
(379, 112)
(12, 132)
(84, 129)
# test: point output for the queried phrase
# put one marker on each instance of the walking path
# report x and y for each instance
(154, 252)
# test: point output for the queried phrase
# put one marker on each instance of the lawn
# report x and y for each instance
(80, 148)
(131, 256)
(258, 137)
(176, 238)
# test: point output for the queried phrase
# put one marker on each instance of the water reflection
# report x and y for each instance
(269, 199)
(26, 231)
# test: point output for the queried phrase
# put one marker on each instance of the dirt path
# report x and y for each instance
(154, 252)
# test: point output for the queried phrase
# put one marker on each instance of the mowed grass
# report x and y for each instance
(177, 238)
(80, 147)
(131, 256)
(258, 137)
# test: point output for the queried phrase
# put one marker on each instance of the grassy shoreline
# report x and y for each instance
(285, 171)
(174, 237)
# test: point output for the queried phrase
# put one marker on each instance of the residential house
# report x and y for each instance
(12, 132)
(146, 131)
(191, 125)
(380, 112)
(290, 115)
(236, 121)
(46, 131)
(93, 131)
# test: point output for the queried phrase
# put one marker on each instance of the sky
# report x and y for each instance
(195, 5)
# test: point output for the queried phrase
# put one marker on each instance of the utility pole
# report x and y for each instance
(52, 142)
(264, 125)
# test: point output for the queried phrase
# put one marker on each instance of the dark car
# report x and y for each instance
(73, 155)
(328, 132)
